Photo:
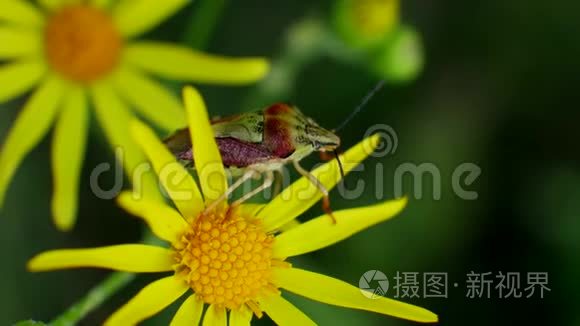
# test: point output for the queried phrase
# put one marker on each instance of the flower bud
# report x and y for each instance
(402, 58)
(365, 24)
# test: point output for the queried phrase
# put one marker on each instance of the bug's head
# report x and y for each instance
(322, 140)
(304, 132)
(309, 133)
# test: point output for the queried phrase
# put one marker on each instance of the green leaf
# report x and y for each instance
(29, 322)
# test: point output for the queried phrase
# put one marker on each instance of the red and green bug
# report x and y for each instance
(263, 142)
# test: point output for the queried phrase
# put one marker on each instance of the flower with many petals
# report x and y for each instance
(232, 258)
(74, 52)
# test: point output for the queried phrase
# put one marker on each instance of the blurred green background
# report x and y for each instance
(498, 89)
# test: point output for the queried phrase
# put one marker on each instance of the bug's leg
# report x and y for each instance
(278, 180)
(247, 175)
(321, 188)
(268, 180)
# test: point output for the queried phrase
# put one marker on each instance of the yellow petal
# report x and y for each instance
(133, 18)
(302, 194)
(189, 312)
(17, 78)
(56, 4)
(31, 125)
(163, 220)
(322, 232)
(150, 300)
(249, 210)
(175, 179)
(136, 258)
(68, 149)
(150, 99)
(215, 316)
(21, 13)
(179, 63)
(23, 42)
(290, 225)
(283, 312)
(101, 3)
(240, 317)
(335, 292)
(114, 117)
(207, 158)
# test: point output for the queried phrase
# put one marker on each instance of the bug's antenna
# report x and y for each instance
(362, 104)
(339, 164)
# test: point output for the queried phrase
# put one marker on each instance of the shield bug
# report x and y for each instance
(260, 143)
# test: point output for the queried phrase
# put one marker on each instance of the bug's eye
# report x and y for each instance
(318, 145)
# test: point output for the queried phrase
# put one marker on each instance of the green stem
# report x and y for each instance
(305, 42)
(94, 298)
(101, 292)
(203, 22)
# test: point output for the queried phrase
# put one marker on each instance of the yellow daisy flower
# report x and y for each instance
(76, 51)
(232, 258)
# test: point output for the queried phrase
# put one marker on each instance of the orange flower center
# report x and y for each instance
(226, 259)
(82, 43)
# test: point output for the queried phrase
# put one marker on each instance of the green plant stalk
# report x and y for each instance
(94, 298)
(203, 22)
(103, 291)
(197, 33)
(306, 41)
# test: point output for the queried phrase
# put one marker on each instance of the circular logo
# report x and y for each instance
(373, 284)
(389, 141)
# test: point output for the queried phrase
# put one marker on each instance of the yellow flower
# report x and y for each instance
(232, 258)
(77, 51)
